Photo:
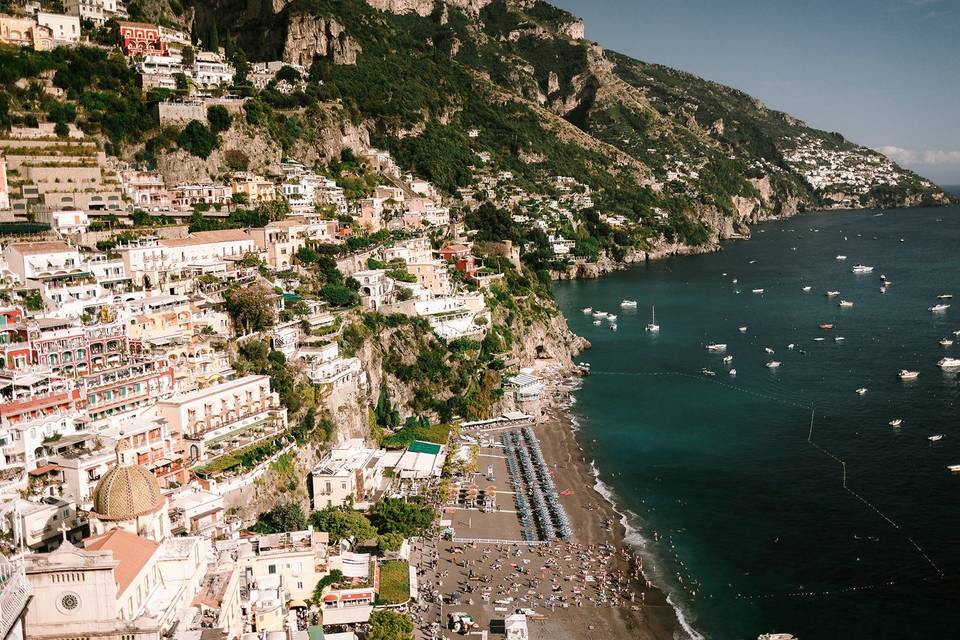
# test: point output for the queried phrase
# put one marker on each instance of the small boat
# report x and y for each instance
(831, 294)
(717, 346)
(628, 304)
(743, 329)
(773, 364)
(883, 289)
(938, 308)
(757, 290)
(841, 257)
(587, 309)
(949, 363)
(906, 374)
(732, 372)
(753, 262)
(946, 342)
(861, 391)
(613, 327)
(599, 314)
(768, 349)
(596, 322)
(955, 468)
(945, 296)
(611, 317)
(819, 339)
(727, 359)
(957, 333)
(653, 326)
(896, 422)
(839, 339)
(936, 438)
(861, 268)
(708, 372)
(807, 289)
(826, 326)
(846, 303)
(734, 281)
(791, 346)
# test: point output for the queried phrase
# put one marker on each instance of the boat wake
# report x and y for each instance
(635, 539)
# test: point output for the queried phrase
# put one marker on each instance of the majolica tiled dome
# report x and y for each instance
(126, 491)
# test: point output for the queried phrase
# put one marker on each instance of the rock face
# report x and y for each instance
(309, 37)
(574, 30)
(262, 154)
(424, 8)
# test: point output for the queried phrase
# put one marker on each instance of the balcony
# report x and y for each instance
(15, 593)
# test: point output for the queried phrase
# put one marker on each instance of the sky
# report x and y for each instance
(884, 73)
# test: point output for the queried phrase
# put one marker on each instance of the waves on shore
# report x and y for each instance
(635, 539)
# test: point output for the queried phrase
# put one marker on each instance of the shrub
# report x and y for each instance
(198, 139)
(219, 118)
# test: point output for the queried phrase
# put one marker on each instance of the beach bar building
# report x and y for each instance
(525, 386)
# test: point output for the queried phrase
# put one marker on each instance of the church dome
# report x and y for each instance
(126, 491)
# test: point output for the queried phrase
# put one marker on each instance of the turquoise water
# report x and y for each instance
(741, 503)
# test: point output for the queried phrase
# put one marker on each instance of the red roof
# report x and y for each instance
(132, 552)
(47, 468)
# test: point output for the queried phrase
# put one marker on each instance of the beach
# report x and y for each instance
(590, 584)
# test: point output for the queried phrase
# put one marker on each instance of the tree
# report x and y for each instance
(393, 515)
(389, 625)
(342, 523)
(492, 223)
(181, 81)
(339, 296)
(307, 255)
(188, 56)
(333, 577)
(218, 117)
(198, 139)
(388, 542)
(282, 518)
(61, 129)
(250, 308)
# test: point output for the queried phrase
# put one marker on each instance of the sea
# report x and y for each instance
(781, 499)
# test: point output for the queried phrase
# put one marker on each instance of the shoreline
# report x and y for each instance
(558, 430)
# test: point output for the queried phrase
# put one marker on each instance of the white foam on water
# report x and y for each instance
(634, 538)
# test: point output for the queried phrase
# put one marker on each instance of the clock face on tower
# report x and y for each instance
(68, 602)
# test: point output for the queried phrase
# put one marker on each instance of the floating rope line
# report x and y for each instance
(818, 447)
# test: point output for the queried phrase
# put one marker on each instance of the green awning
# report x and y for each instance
(419, 446)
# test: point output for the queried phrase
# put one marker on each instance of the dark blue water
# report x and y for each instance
(745, 514)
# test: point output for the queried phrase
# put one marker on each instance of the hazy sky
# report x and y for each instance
(885, 73)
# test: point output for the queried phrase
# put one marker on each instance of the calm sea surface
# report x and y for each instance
(741, 503)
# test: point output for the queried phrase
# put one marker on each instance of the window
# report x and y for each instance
(272, 569)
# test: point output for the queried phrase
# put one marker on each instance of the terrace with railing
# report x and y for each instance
(15, 593)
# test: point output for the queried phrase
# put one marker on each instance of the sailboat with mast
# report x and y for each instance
(653, 326)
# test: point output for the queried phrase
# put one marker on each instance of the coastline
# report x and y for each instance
(597, 519)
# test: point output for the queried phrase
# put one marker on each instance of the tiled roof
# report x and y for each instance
(130, 551)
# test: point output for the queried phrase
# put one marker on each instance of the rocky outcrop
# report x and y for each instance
(331, 133)
(310, 37)
(242, 141)
(424, 8)
(573, 30)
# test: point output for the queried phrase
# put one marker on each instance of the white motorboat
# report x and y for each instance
(596, 322)
(734, 281)
(708, 372)
(653, 326)
(757, 290)
(611, 317)
(628, 304)
(861, 268)
(883, 289)
(846, 304)
(819, 339)
(768, 349)
(946, 342)
(841, 257)
(955, 468)
(732, 372)
(861, 391)
(945, 296)
(936, 438)
(832, 294)
(613, 327)
(906, 374)
(957, 333)
(896, 422)
(807, 288)
(938, 308)
(839, 339)
(791, 346)
(587, 309)
(717, 346)
(949, 363)
(743, 329)
(727, 359)
(773, 364)
(599, 314)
